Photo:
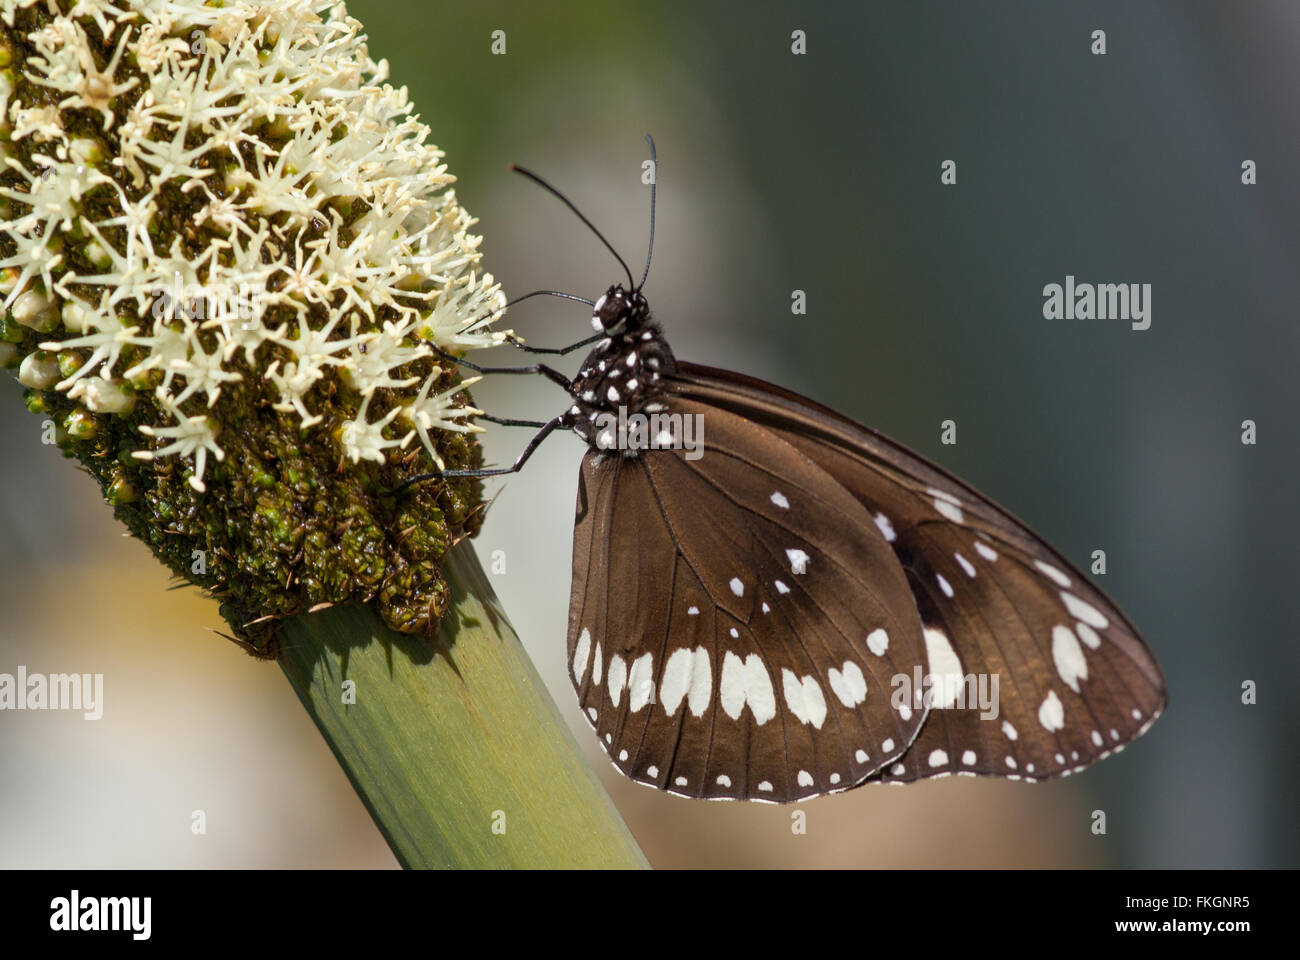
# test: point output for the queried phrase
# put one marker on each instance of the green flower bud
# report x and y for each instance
(70, 362)
(80, 424)
(35, 400)
(120, 490)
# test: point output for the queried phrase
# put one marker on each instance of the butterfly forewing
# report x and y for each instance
(742, 637)
(1074, 680)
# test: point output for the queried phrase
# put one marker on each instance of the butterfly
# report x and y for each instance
(772, 602)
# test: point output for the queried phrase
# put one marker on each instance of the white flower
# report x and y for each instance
(69, 66)
(248, 150)
(438, 412)
(365, 441)
(193, 436)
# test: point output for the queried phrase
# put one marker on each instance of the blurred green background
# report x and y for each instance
(818, 172)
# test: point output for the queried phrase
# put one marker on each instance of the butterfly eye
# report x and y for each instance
(610, 312)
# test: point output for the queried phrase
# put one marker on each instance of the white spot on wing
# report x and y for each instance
(1068, 657)
(617, 678)
(780, 587)
(938, 758)
(886, 527)
(1087, 635)
(596, 670)
(968, 758)
(1009, 730)
(724, 780)
(805, 778)
(804, 698)
(701, 689)
(779, 499)
(798, 561)
(888, 745)
(860, 756)
(641, 682)
(652, 772)
(765, 787)
(676, 680)
(850, 686)
(581, 654)
(1051, 714)
(731, 690)
(944, 585)
(758, 690)
(1052, 572)
(947, 504)
(1081, 610)
(966, 565)
(693, 611)
(737, 587)
(746, 682)
(985, 551)
(878, 641)
(945, 669)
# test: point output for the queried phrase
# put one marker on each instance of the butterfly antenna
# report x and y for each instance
(473, 324)
(654, 180)
(591, 226)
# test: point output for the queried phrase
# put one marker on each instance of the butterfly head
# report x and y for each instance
(620, 311)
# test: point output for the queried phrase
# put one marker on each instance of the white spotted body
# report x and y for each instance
(624, 371)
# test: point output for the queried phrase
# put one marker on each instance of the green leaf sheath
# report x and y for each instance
(454, 746)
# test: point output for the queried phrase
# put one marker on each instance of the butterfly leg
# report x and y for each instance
(516, 342)
(540, 368)
(547, 428)
(505, 422)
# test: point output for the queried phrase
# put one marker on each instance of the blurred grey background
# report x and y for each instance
(818, 172)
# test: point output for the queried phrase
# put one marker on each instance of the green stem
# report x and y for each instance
(454, 745)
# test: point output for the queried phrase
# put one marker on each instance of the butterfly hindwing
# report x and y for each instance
(737, 619)
(1075, 680)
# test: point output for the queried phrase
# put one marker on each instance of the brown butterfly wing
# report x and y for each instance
(717, 647)
(1075, 679)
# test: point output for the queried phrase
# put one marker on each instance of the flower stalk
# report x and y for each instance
(455, 748)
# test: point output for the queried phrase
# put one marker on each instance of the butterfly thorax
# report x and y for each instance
(622, 376)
